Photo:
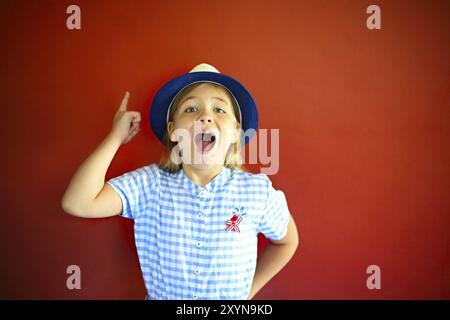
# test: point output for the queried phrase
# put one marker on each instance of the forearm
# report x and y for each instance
(89, 179)
(272, 260)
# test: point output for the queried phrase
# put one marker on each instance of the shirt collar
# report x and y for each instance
(219, 180)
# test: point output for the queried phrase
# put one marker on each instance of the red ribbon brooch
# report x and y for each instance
(233, 222)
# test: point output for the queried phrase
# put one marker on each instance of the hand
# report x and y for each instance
(126, 124)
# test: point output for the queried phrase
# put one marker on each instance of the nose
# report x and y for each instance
(205, 118)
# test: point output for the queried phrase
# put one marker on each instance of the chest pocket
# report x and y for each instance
(233, 248)
(233, 227)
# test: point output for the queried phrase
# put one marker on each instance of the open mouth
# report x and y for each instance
(205, 141)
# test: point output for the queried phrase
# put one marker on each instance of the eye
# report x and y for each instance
(219, 110)
(190, 109)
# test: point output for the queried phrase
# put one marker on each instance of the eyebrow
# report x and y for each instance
(195, 97)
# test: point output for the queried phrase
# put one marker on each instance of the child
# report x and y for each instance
(197, 214)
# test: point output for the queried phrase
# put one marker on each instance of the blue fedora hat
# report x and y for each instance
(164, 98)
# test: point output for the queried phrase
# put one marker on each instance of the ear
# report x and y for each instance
(236, 132)
(170, 128)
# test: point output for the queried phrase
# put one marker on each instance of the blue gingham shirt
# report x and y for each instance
(184, 248)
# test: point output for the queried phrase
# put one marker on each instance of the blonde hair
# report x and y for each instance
(233, 158)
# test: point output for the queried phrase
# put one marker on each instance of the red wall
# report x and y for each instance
(363, 118)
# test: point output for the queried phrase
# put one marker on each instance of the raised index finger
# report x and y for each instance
(123, 105)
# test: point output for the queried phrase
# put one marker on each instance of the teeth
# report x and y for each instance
(207, 136)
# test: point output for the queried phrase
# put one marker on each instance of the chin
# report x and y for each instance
(206, 162)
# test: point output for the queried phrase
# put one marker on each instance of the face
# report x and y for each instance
(204, 125)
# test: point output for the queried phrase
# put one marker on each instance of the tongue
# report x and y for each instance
(206, 145)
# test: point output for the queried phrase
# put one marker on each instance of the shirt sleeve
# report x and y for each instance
(276, 215)
(136, 189)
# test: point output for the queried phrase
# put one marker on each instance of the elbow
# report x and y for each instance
(297, 244)
(294, 243)
(297, 240)
(295, 235)
(69, 208)
(79, 211)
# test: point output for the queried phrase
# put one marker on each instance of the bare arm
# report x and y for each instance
(87, 194)
(276, 255)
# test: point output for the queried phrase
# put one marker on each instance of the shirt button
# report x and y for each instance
(194, 296)
(197, 272)
(198, 244)
(199, 215)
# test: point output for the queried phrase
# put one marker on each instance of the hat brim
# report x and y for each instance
(165, 95)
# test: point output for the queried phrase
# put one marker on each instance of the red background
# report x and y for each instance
(363, 118)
